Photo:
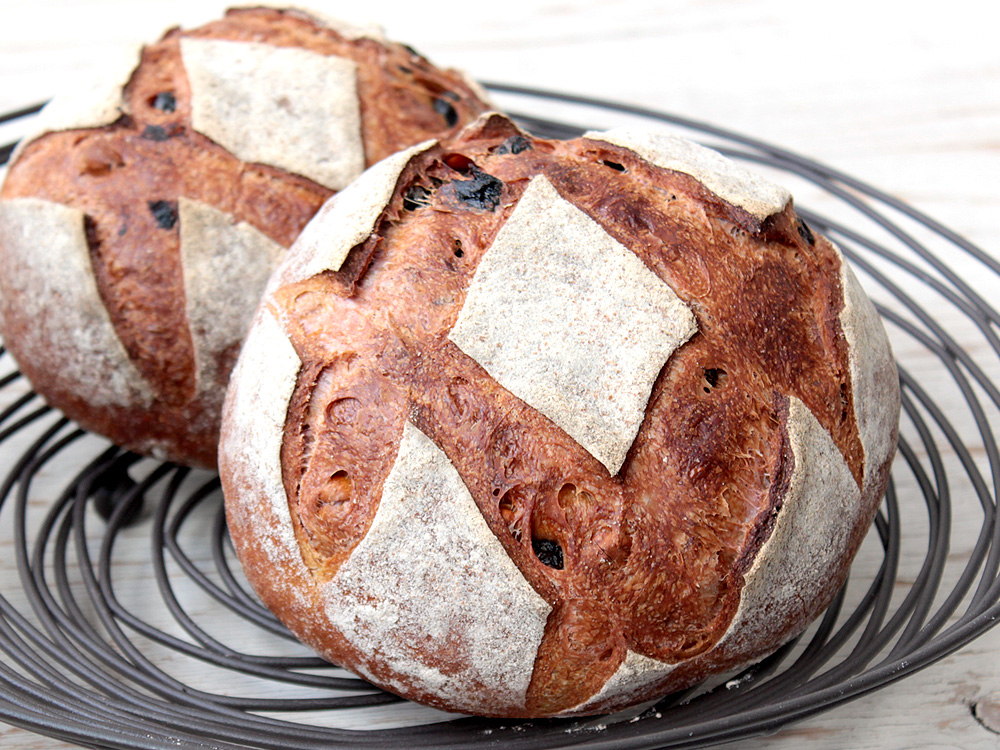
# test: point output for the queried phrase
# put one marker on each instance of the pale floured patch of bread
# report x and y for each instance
(631, 681)
(345, 220)
(226, 266)
(282, 106)
(431, 594)
(874, 378)
(48, 275)
(571, 322)
(346, 29)
(730, 181)
(811, 535)
(261, 388)
(94, 99)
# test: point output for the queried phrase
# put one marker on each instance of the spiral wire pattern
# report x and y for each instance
(80, 662)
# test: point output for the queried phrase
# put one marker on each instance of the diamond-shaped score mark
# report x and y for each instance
(282, 106)
(572, 322)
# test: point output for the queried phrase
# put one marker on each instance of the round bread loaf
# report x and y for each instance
(529, 428)
(138, 229)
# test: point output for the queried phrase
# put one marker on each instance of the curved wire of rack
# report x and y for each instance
(78, 663)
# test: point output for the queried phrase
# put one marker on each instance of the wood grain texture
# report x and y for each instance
(907, 100)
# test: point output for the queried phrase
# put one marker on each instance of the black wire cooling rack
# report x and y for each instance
(88, 655)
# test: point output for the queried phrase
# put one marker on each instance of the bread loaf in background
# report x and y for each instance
(535, 428)
(138, 228)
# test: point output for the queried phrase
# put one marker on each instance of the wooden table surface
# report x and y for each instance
(906, 98)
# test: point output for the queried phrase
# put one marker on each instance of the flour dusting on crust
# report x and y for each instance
(285, 107)
(226, 266)
(263, 382)
(632, 679)
(431, 594)
(46, 263)
(811, 535)
(873, 374)
(727, 179)
(572, 322)
(95, 98)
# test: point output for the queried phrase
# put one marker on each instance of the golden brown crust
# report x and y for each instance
(650, 561)
(128, 185)
(128, 177)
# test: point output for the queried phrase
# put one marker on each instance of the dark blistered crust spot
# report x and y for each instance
(447, 111)
(482, 192)
(165, 101)
(548, 552)
(805, 232)
(516, 144)
(164, 213)
(715, 377)
(155, 133)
